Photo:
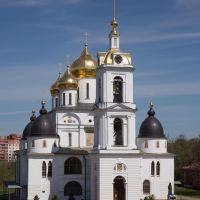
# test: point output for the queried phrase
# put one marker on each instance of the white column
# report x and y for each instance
(81, 137)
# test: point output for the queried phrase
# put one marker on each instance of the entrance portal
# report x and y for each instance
(119, 188)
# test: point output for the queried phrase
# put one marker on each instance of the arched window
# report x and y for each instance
(70, 98)
(146, 144)
(118, 136)
(44, 143)
(152, 168)
(63, 98)
(87, 91)
(33, 143)
(73, 166)
(44, 169)
(157, 144)
(70, 139)
(118, 90)
(78, 93)
(54, 144)
(56, 102)
(50, 169)
(146, 187)
(73, 188)
(158, 169)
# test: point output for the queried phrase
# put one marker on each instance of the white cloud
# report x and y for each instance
(170, 89)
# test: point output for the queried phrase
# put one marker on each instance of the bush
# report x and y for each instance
(36, 197)
(55, 197)
(149, 197)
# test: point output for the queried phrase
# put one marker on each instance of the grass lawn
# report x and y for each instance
(187, 192)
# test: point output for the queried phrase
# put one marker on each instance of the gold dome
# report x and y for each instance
(84, 66)
(109, 57)
(54, 88)
(67, 81)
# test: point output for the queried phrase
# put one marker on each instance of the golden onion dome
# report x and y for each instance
(109, 57)
(67, 81)
(84, 66)
(54, 88)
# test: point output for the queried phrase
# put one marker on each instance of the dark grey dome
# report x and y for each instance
(151, 126)
(27, 129)
(43, 125)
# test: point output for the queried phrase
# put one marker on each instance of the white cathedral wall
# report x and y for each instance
(59, 179)
(159, 184)
(103, 175)
(36, 184)
(67, 101)
(152, 145)
(106, 133)
(74, 124)
(106, 89)
(82, 84)
(39, 146)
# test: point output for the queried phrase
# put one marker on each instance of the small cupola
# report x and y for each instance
(151, 138)
(151, 126)
(43, 125)
(54, 88)
(67, 81)
(27, 129)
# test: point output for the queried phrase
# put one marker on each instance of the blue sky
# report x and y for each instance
(163, 37)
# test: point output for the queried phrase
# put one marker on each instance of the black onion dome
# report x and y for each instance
(27, 129)
(151, 126)
(43, 125)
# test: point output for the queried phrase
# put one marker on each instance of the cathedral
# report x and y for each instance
(86, 147)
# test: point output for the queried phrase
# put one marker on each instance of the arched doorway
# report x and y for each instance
(119, 188)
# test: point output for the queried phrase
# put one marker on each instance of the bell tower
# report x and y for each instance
(114, 156)
(115, 108)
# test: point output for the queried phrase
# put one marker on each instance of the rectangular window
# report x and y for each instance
(70, 98)
(87, 91)
(63, 98)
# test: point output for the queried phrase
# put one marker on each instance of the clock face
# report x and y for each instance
(118, 59)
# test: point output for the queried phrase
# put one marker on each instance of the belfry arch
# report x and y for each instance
(118, 90)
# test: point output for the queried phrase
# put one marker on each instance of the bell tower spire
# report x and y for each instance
(114, 35)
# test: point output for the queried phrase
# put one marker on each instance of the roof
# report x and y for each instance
(72, 151)
(151, 126)
(195, 166)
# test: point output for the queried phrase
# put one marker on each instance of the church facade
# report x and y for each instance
(86, 147)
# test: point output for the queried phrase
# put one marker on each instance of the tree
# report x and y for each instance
(55, 197)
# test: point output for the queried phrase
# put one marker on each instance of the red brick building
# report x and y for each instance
(9, 144)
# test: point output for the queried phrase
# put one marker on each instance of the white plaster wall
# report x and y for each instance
(59, 179)
(39, 145)
(152, 145)
(73, 98)
(54, 101)
(37, 184)
(104, 135)
(159, 184)
(82, 90)
(75, 124)
(107, 75)
(105, 175)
